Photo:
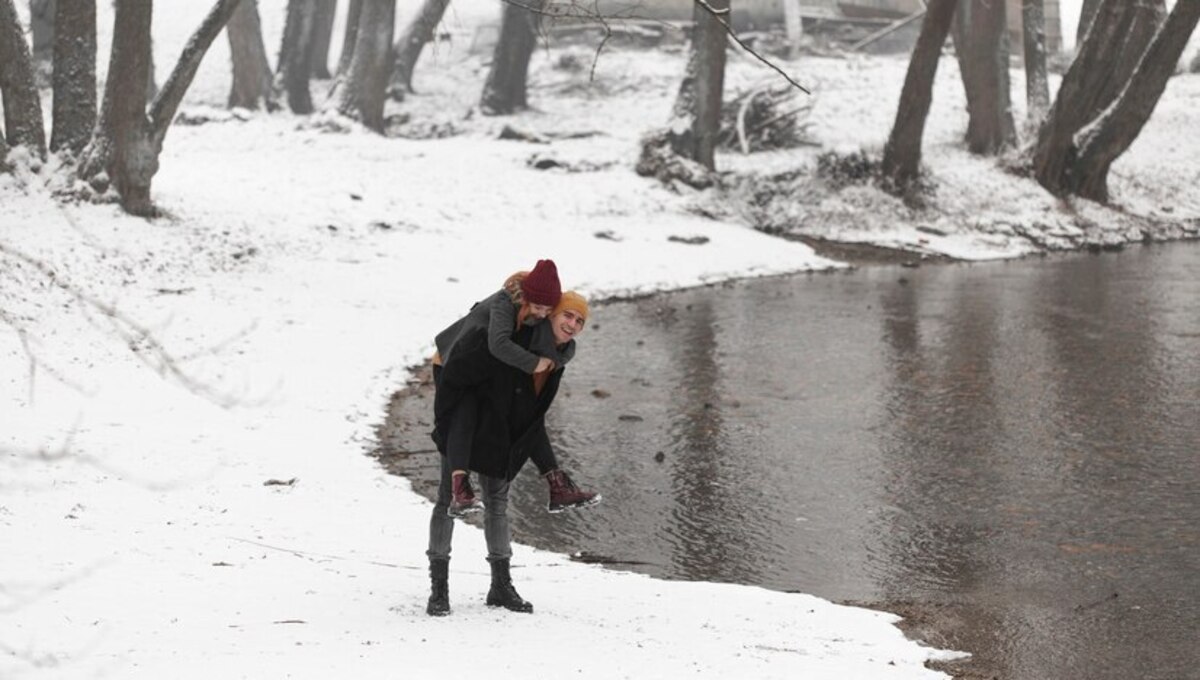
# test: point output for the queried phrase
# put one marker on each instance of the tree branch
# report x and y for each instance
(166, 104)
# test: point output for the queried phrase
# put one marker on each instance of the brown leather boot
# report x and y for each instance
(462, 496)
(564, 494)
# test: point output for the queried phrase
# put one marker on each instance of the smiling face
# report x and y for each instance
(566, 324)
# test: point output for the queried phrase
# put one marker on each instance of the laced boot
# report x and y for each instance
(564, 494)
(462, 496)
(502, 593)
(439, 591)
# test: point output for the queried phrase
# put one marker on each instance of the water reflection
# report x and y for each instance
(1011, 446)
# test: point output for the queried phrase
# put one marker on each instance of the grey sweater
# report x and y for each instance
(498, 314)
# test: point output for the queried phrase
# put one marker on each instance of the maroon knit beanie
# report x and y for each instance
(540, 286)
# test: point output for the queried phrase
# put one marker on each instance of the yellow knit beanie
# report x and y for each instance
(574, 302)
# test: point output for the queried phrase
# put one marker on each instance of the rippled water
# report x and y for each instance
(1011, 447)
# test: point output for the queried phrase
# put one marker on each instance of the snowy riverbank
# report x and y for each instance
(161, 376)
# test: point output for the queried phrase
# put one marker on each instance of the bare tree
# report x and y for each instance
(981, 43)
(41, 25)
(902, 153)
(22, 109)
(128, 138)
(350, 36)
(322, 37)
(362, 91)
(1096, 146)
(1037, 85)
(1094, 80)
(252, 86)
(505, 91)
(295, 55)
(74, 108)
(412, 41)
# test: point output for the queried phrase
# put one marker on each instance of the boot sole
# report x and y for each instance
(579, 506)
(528, 610)
(464, 512)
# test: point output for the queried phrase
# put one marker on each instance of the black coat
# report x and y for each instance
(510, 418)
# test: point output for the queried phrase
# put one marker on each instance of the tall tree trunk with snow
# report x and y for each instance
(23, 124)
(322, 37)
(702, 97)
(686, 149)
(362, 91)
(295, 55)
(981, 43)
(1037, 85)
(252, 86)
(1095, 78)
(412, 41)
(41, 27)
(128, 139)
(1112, 133)
(350, 36)
(74, 106)
(505, 91)
(1087, 13)
(902, 152)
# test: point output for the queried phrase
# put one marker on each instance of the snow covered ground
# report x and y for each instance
(162, 376)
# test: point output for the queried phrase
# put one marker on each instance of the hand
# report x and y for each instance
(543, 365)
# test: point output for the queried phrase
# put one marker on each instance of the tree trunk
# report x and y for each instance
(1087, 14)
(709, 43)
(41, 26)
(127, 142)
(120, 151)
(1091, 83)
(981, 43)
(252, 82)
(322, 36)
(74, 107)
(295, 55)
(350, 37)
(902, 153)
(22, 109)
(361, 93)
(1115, 130)
(1037, 85)
(505, 89)
(408, 48)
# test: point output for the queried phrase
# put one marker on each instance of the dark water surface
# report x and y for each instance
(1008, 453)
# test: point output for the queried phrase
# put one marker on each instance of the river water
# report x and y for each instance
(1006, 453)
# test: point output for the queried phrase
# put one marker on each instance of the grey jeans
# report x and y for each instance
(494, 493)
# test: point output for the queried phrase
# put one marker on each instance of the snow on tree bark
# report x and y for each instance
(1037, 85)
(1112, 133)
(74, 76)
(981, 44)
(412, 41)
(23, 122)
(505, 91)
(1091, 84)
(362, 91)
(902, 152)
(295, 55)
(1087, 14)
(252, 86)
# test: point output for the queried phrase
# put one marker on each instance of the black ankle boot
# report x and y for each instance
(502, 593)
(439, 592)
